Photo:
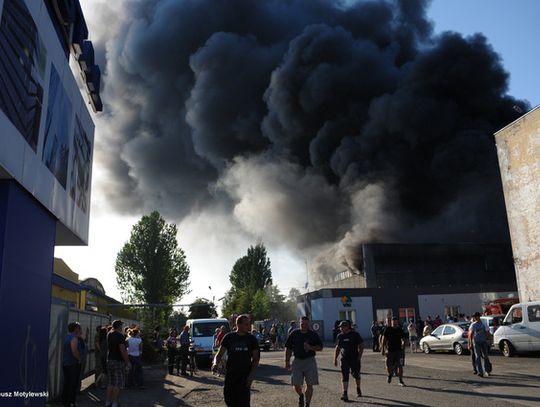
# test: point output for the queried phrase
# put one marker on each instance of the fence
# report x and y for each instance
(61, 315)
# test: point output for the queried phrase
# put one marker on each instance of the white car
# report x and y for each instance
(202, 332)
(520, 330)
(447, 337)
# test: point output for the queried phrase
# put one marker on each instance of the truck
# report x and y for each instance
(201, 332)
(499, 306)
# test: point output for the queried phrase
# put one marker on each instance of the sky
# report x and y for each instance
(213, 242)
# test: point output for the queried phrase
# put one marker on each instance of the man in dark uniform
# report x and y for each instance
(394, 338)
(242, 360)
(351, 346)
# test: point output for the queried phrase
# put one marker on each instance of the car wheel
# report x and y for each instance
(507, 349)
(458, 349)
(426, 348)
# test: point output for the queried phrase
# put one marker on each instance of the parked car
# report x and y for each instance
(447, 337)
(492, 322)
(263, 340)
(520, 330)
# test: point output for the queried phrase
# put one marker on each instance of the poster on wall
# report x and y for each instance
(81, 164)
(56, 141)
(23, 59)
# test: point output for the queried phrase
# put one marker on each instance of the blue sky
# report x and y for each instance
(511, 27)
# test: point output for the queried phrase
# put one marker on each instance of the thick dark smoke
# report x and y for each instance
(320, 124)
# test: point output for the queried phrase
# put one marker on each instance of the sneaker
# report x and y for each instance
(389, 380)
(301, 400)
(358, 393)
(486, 374)
(401, 383)
(475, 372)
(345, 397)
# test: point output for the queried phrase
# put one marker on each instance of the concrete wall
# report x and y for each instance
(518, 148)
(327, 309)
(468, 303)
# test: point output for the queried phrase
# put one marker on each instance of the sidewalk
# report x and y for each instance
(161, 389)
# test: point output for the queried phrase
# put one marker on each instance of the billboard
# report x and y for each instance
(46, 131)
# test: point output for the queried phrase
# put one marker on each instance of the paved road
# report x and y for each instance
(432, 380)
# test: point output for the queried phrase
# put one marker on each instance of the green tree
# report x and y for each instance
(202, 308)
(252, 270)
(151, 268)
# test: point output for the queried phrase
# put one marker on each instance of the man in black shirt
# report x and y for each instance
(117, 360)
(351, 346)
(394, 338)
(242, 359)
(375, 332)
(303, 343)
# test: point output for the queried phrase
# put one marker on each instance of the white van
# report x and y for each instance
(202, 332)
(520, 330)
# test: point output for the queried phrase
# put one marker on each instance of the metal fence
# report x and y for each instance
(61, 316)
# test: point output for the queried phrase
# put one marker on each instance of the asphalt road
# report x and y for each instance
(432, 380)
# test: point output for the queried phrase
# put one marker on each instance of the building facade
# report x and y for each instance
(518, 148)
(46, 146)
(416, 281)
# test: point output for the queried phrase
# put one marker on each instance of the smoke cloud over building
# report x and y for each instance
(316, 124)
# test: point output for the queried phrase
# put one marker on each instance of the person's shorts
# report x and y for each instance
(352, 366)
(413, 338)
(395, 359)
(116, 373)
(304, 368)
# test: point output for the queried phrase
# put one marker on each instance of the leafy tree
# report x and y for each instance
(293, 294)
(202, 308)
(260, 305)
(253, 270)
(151, 268)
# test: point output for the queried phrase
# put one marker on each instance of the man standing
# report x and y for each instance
(375, 332)
(117, 360)
(303, 343)
(394, 338)
(351, 346)
(242, 360)
(71, 364)
(292, 327)
(184, 349)
(478, 337)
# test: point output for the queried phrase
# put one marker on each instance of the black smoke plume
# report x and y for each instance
(318, 124)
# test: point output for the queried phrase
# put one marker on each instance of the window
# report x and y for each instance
(516, 316)
(451, 310)
(201, 329)
(449, 330)
(349, 314)
(438, 331)
(384, 313)
(406, 314)
(534, 313)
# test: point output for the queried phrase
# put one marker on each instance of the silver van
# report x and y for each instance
(520, 330)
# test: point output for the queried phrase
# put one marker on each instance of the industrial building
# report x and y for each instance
(46, 139)
(518, 148)
(414, 281)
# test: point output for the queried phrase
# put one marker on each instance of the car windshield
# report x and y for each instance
(201, 329)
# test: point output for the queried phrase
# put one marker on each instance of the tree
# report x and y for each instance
(202, 308)
(151, 268)
(253, 270)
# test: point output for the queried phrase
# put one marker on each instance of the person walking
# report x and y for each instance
(71, 364)
(184, 350)
(350, 346)
(375, 332)
(394, 338)
(117, 361)
(242, 360)
(478, 340)
(303, 343)
(292, 327)
(134, 349)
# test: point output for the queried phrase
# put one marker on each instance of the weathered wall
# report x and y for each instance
(518, 147)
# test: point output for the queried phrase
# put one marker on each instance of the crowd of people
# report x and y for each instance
(119, 351)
